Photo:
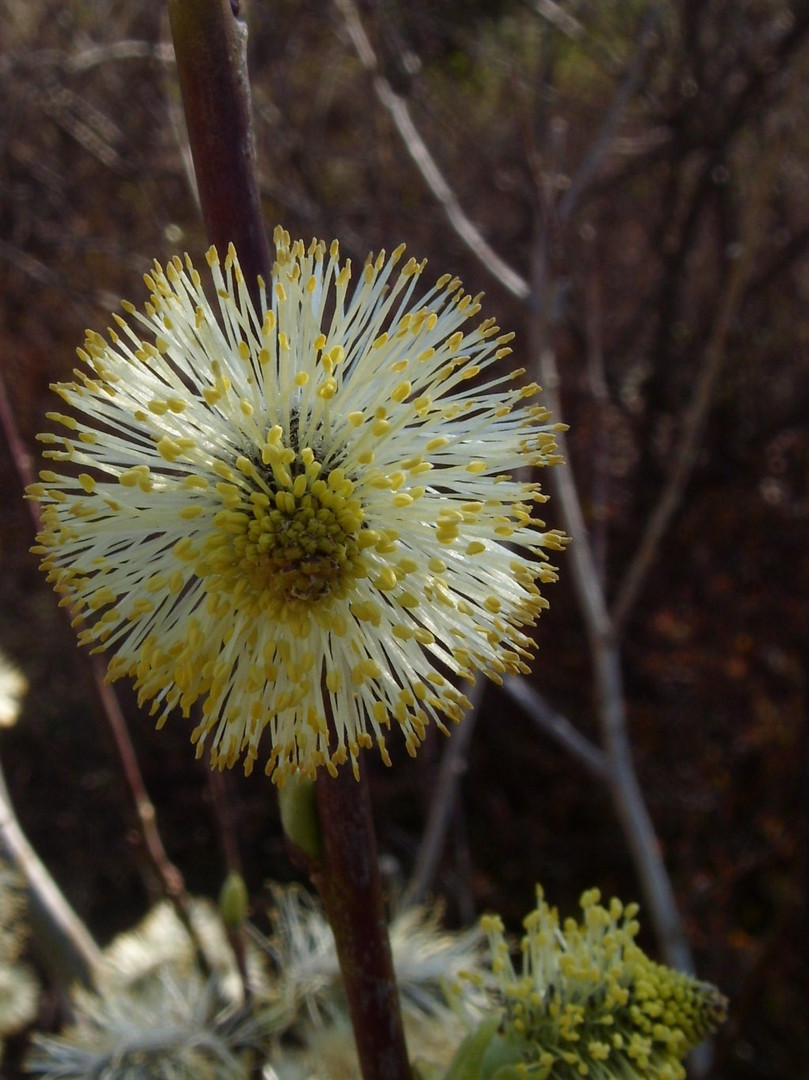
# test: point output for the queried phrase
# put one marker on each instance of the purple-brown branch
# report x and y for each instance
(348, 881)
(210, 47)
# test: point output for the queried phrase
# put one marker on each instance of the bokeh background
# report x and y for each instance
(645, 168)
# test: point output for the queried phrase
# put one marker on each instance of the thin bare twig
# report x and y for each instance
(618, 768)
(740, 271)
(426, 164)
(600, 408)
(605, 138)
(86, 59)
(63, 943)
(114, 51)
(453, 766)
(558, 17)
(625, 789)
(560, 729)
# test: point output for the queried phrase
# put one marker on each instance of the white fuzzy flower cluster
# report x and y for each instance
(306, 513)
(154, 1014)
(13, 686)
(19, 990)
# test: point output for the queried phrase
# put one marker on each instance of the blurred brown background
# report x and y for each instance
(651, 163)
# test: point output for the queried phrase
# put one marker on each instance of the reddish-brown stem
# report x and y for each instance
(210, 47)
(348, 881)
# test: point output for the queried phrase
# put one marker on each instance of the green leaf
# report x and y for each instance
(484, 1054)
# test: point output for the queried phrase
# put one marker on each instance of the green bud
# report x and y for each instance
(233, 901)
(299, 817)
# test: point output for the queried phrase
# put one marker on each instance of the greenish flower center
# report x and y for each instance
(301, 544)
(293, 539)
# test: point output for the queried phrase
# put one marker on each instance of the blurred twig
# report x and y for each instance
(740, 270)
(558, 727)
(85, 59)
(558, 17)
(113, 51)
(600, 409)
(63, 943)
(443, 804)
(605, 657)
(604, 140)
(167, 874)
(417, 148)
(27, 264)
(611, 708)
